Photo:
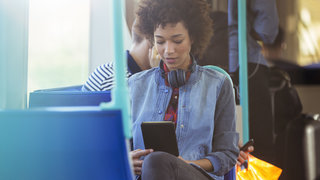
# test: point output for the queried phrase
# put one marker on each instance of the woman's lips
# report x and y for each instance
(170, 60)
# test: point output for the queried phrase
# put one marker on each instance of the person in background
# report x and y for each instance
(273, 53)
(262, 25)
(283, 74)
(199, 101)
(102, 79)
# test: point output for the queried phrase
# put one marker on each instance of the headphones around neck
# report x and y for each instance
(177, 78)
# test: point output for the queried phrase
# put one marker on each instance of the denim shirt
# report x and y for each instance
(206, 115)
(262, 18)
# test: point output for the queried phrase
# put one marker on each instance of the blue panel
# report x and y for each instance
(68, 144)
(69, 96)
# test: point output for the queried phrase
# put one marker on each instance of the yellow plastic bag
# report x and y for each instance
(258, 170)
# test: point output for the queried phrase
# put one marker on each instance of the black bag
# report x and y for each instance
(286, 107)
(285, 101)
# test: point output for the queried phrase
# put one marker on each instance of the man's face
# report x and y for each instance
(154, 57)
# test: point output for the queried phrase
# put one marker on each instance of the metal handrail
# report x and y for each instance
(243, 68)
(120, 93)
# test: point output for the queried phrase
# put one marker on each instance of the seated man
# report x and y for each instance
(102, 79)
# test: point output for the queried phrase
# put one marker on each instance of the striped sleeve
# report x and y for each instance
(102, 79)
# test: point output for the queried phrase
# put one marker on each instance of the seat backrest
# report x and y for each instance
(231, 175)
(65, 143)
(219, 69)
(67, 96)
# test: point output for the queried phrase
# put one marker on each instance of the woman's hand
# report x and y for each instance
(188, 162)
(154, 57)
(243, 156)
(203, 163)
(137, 162)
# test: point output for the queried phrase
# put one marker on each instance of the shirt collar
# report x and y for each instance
(132, 65)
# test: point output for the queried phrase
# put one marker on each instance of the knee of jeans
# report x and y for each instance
(157, 158)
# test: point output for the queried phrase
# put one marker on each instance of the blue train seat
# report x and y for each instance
(63, 143)
(231, 175)
(67, 96)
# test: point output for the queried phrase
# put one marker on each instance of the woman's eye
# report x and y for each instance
(178, 41)
(160, 42)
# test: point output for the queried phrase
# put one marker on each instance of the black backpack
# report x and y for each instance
(286, 104)
(286, 108)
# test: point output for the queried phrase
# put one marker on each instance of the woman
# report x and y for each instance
(198, 100)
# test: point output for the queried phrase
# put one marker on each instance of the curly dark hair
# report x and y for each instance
(194, 14)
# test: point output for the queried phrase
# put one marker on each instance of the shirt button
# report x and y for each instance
(160, 112)
(182, 126)
(175, 97)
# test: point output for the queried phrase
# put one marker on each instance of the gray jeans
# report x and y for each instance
(164, 166)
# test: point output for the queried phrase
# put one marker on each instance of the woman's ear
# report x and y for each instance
(191, 43)
(191, 40)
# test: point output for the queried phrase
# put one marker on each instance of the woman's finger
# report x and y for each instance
(137, 163)
(138, 154)
(137, 170)
(250, 149)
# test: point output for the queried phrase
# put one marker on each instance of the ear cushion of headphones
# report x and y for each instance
(181, 76)
(176, 78)
(172, 79)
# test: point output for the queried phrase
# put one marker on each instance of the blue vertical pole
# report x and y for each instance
(243, 74)
(3, 61)
(13, 53)
(120, 93)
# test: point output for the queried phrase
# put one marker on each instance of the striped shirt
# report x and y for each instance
(102, 79)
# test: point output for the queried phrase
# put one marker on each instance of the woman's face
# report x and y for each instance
(173, 45)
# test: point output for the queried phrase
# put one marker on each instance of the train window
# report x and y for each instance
(309, 32)
(58, 43)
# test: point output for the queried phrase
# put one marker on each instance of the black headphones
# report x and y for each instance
(177, 78)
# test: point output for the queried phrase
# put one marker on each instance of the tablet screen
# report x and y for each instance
(160, 136)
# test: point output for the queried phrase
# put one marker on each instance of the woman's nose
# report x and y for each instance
(169, 49)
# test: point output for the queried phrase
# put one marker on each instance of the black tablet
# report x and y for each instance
(160, 136)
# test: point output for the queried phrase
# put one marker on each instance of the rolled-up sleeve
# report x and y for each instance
(225, 138)
(266, 20)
